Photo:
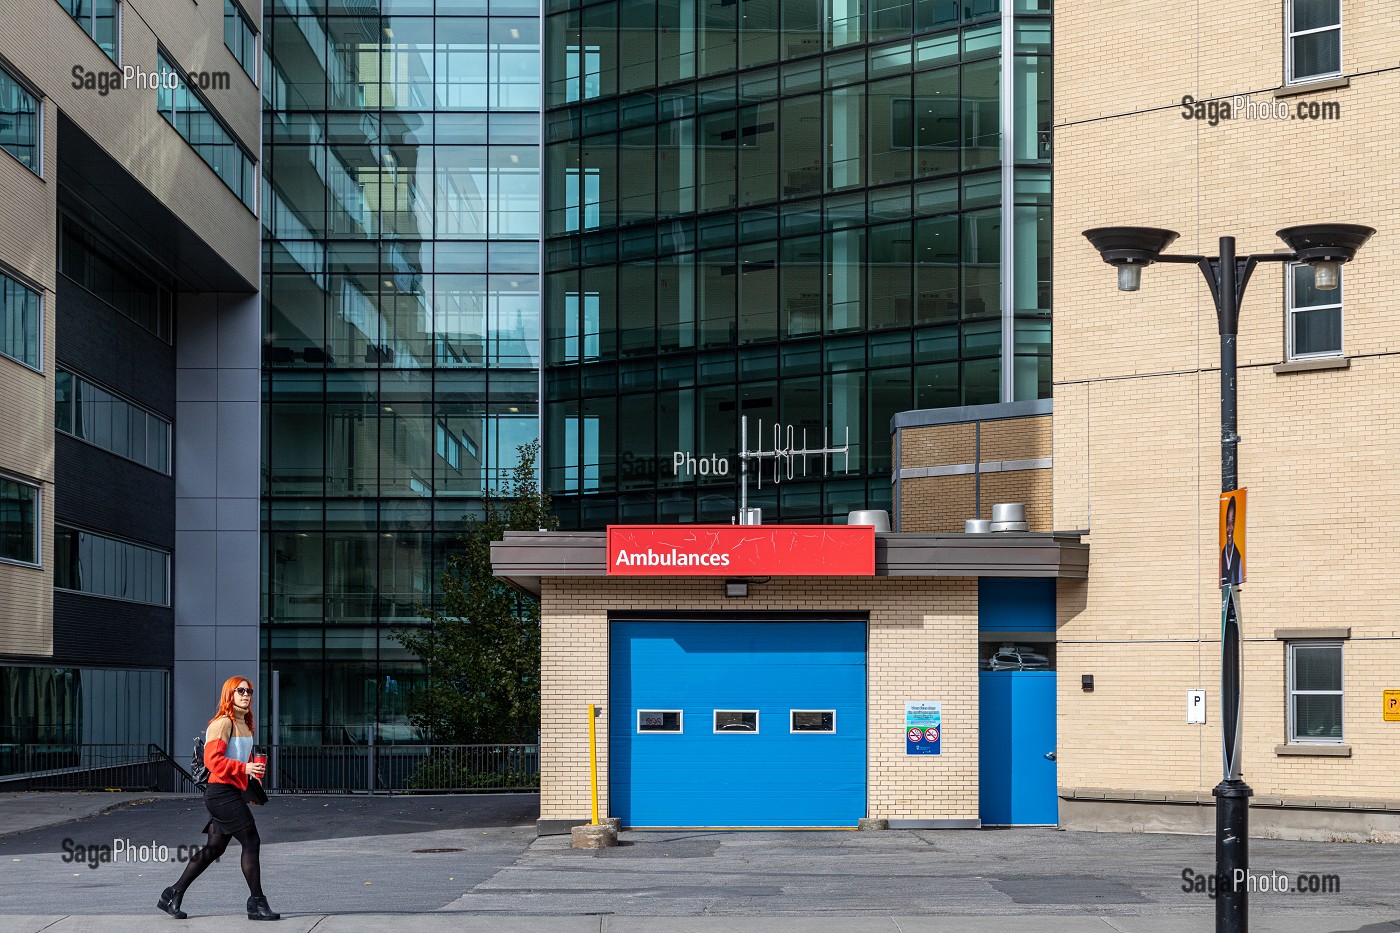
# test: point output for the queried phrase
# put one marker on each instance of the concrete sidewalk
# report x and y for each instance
(424, 864)
(21, 811)
(1293, 921)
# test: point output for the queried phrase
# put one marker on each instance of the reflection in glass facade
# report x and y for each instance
(401, 310)
(51, 711)
(818, 214)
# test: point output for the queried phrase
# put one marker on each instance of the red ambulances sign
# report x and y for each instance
(741, 550)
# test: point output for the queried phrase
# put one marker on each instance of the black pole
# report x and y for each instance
(1232, 793)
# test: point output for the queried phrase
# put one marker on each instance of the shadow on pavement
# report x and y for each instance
(290, 818)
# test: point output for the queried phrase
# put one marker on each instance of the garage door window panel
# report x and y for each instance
(813, 720)
(660, 720)
(736, 721)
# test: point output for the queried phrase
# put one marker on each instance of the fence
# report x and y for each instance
(405, 769)
(92, 767)
(306, 769)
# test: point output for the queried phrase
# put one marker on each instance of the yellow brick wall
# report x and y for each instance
(1016, 438)
(1137, 389)
(942, 503)
(922, 646)
(938, 444)
(937, 503)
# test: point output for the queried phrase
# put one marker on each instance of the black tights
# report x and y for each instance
(218, 842)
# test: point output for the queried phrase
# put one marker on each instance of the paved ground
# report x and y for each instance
(20, 811)
(357, 863)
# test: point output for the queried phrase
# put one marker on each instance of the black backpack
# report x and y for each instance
(198, 771)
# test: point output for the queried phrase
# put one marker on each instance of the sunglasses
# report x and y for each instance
(243, 691)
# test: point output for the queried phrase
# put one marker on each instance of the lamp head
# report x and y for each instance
(1129, 249)
(1325, 247)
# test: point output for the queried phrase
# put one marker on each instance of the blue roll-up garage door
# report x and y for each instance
(739, 723)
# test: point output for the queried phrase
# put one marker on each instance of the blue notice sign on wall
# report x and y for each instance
(923, 728)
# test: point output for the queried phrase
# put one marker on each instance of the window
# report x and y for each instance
(100, 19)
(583, 62)
(736, 720)
(240, 38)
(20, 123)
(659, 720)
(184, 109)
(1314, 39)
(1315, 692)
(19, 521)
(813, 720)
(99, 267)
(100, 566)
(1314, 316)
(93, 414)
(21, 320)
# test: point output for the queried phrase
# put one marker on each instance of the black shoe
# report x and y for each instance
(258, 909)
(170, 903)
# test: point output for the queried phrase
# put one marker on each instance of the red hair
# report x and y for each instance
(226, 707)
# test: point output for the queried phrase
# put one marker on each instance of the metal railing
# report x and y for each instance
(130, 766)
(405, 769)
(304, 769)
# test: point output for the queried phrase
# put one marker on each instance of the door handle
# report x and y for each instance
(1050, 756)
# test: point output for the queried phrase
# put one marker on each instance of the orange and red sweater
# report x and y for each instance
(226, 748)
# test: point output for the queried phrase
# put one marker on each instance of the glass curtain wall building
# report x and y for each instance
(806, 213)
(401, 314)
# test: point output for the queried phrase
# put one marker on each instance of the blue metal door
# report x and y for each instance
(673, 762)
(1017, 732)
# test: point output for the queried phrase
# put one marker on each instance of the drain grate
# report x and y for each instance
(434, 851)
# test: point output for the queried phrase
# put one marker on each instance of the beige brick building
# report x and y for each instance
(918, 640)
(129, 355)
(1136, 427)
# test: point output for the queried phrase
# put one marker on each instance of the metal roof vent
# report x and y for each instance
(877, 517)
(1009, 516)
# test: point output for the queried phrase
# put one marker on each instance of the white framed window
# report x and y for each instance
(660, 720)
(1314, 325)
(21, 521)
(812, 720)
(729, 721)
(21, 323)
(1314, 48)
(21, 122)
(1315, 692)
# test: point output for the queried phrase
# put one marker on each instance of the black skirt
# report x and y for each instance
(228, 811)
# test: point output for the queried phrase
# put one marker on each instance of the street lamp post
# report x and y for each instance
(1131, 249)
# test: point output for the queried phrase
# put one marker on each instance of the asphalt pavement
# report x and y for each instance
(473, 864)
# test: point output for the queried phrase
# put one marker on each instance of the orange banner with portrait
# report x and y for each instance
(1231, 547)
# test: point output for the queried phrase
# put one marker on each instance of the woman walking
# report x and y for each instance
(227, 747)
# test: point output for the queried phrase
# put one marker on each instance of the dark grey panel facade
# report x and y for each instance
(97, 632)
(96, 341)
(99, 491)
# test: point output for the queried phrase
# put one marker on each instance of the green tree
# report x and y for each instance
(482, 651)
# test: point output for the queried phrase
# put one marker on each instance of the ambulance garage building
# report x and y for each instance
(797, 675)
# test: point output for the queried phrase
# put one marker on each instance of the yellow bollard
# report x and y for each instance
(593, 758)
